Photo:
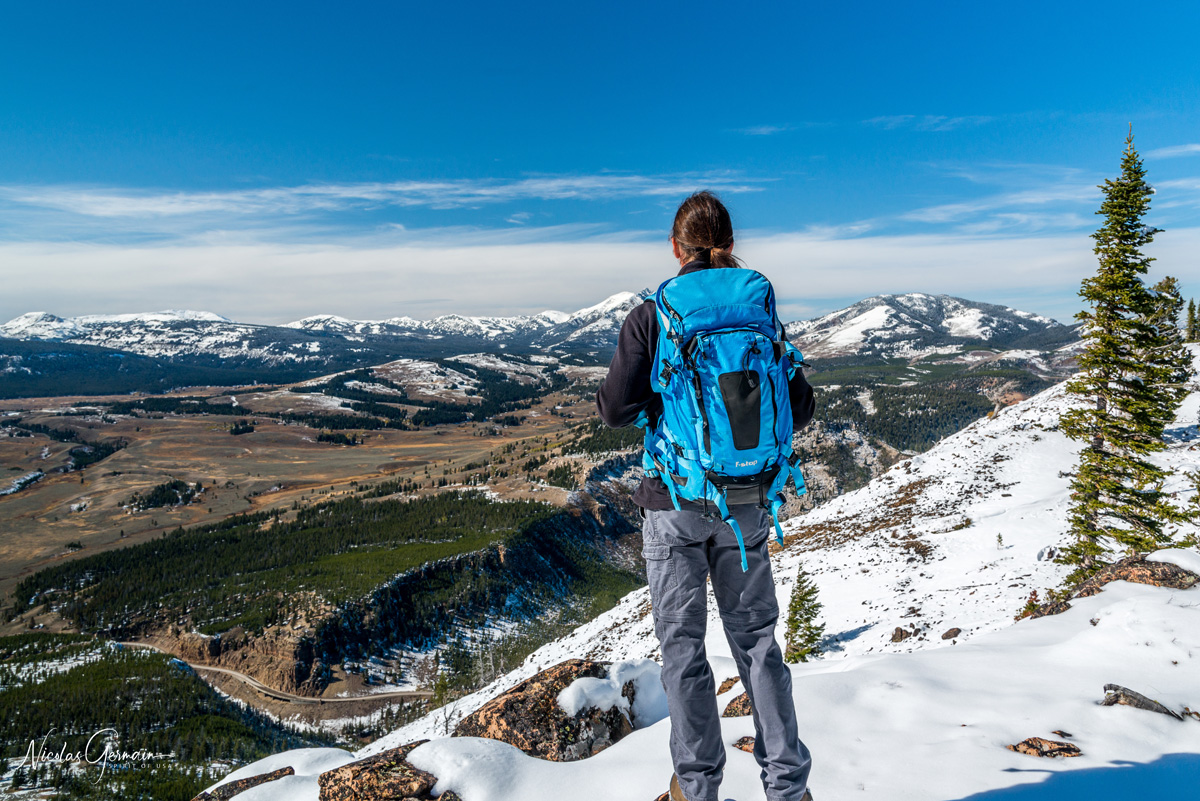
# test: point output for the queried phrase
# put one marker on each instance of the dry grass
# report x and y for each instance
(276, 467)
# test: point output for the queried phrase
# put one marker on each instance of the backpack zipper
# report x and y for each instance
(672, 312)
(775, 408)
(700, 398)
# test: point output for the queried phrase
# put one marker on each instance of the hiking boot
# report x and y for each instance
(676, 790)
(676, 793)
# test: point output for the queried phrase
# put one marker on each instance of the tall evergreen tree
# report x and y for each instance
(1192, 332)
(1116, 494)
(802, 635)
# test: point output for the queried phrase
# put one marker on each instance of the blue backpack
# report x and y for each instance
(722, 365)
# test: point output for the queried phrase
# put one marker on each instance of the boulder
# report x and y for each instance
(1039, 747)
(528, 716)
(900, 635)
(738, 707)
(230, 789)
(386, 775)
(951, 634)
(1134, 569)
(745, 744)
(1116, 694)
(727, 685)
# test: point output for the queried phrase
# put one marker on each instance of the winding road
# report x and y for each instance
(279, 695)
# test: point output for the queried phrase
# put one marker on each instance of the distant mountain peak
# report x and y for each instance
(914, 323)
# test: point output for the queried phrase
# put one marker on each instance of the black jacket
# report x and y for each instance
(626, 390)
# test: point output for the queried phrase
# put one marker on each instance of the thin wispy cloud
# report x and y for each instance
(925, 122)
(1174, 151)
(132, 203)
(1017, 175)
(764, 130)
(1178, 193)
(1041, 197)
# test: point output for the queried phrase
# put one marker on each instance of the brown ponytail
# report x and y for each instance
(703, 230)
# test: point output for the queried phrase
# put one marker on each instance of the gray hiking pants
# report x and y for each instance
(682, 549)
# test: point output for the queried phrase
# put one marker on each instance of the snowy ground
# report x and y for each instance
(956, 537)
(515, 370)
(428, 379)
(924, 725)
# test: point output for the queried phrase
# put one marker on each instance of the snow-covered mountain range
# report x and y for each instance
(915, 324)
(926, 677)
(174, 334)
(885, 325)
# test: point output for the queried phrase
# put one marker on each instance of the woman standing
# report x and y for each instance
(685, 547)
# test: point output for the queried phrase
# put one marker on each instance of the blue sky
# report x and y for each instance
(269, 161)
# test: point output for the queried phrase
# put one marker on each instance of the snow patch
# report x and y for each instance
(650, 701)
(1188, 560)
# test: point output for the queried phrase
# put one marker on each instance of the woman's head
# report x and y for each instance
(703, 231)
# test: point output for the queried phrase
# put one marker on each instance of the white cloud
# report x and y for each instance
(764, 130)
(127, 203)
(1070, 193)
(1177, 193)
(925, 122)
(1174, 151)
(271, 283)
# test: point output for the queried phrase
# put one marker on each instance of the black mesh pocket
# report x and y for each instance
(742, 393)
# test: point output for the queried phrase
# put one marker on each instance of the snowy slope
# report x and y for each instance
(923, 718)
(930, 725)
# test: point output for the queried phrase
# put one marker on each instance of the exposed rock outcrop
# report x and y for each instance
(278, 658)
(1134, 569)
(386, 775)
(1116, 694)
(1040, 747)
(951, 634)
(230, 789)
(738, 707)
(528, 716)
(745, 744)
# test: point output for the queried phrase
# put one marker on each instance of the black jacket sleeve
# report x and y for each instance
(804, 404)
(626, 390)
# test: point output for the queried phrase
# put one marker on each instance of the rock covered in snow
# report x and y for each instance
(564, 713)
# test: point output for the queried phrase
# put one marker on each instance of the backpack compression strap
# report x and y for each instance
(733, 524)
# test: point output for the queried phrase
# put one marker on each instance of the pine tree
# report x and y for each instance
(1124, 402)
(1192, 331)
(1169, 354)
(803, 633)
